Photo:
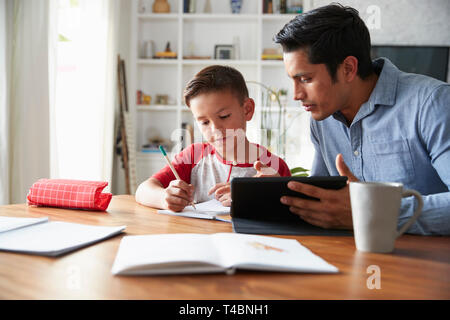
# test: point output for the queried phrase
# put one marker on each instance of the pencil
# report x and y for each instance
(161, 148)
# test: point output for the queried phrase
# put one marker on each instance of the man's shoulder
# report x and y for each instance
(420, 86)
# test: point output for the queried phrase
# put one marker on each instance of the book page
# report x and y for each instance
(268, 253)
(11, 223)
(205, 210)
(166, 253)
(54, 238)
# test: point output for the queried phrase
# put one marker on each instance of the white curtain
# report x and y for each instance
(24, 102)
(86, 85)
(52, 125)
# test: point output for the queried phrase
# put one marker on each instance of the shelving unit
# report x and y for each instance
(197, 34)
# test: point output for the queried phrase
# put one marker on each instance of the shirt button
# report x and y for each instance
(356, 153)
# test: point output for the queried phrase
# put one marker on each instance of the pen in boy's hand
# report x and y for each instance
(161, 148)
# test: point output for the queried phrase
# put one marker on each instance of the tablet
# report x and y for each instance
(256, 206)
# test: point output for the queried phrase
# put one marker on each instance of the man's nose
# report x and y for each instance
(299, 93)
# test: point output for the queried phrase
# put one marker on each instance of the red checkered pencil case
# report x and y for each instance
(75, 194)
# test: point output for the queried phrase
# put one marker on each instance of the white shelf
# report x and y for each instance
(162, 108)
(272, 63)
(278, 17)
(194, 17)
(156, 107)
(157, 61)
(197, 34)
(161, 16)
(219, 61)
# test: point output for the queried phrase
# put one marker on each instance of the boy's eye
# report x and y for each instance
(204, 123)
(225, 116)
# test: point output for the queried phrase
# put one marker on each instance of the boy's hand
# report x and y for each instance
(178, 195)
(264, 170)
(222, 192)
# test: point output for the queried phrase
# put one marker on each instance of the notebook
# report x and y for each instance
(207, 253)
(205, 210)
(43, 237)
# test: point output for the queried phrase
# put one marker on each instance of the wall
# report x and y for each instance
(404, 22)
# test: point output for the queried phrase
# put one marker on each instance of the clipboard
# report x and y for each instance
(256, 206)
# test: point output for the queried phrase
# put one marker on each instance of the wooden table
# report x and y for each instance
(419, 268)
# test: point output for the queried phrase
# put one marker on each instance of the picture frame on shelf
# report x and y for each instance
(162, 99)
(224, 51)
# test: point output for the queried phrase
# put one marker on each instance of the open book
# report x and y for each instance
(219, 252)
(41, 237)
(205, 210)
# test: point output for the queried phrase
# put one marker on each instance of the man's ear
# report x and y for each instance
(349, 68)
(249, 108)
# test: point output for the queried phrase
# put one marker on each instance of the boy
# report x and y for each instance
(219, 101)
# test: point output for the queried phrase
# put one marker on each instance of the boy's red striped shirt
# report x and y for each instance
(75, 194)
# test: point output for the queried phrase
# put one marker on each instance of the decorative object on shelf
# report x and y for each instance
(236, 6)
(295, 6)
(162, 99)
(161, 6)
(283, 6)
(168, 54)
(272, 54)
(224, 51)
(154, 142)
(142, 98)
(197, 57)
(236, 47)
(192, 6)
(207, 8)
(273, 119)
(146, 99)
(186, 6)
(139, 97)
(148, 49)
(142, 6)
(187, 135)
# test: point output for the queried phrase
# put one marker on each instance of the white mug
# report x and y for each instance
(375, 210)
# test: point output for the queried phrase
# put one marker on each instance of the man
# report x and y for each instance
(369, 120)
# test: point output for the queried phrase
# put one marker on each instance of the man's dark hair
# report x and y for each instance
(328, 35)
(216, 78)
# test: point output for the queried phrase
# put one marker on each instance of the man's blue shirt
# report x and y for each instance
(401, 134)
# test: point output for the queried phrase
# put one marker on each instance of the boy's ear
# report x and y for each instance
(249, 108)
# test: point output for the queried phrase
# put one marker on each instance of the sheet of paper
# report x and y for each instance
(205, 210)
(11, 223)
(54, 238)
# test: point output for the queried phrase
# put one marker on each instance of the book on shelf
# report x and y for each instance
(208, 253)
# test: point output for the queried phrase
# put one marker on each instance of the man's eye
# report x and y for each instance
(224, 117)
(304, 80)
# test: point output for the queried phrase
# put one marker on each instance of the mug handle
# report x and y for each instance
(418, 196)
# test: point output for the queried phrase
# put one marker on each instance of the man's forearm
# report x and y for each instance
(435, 216)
